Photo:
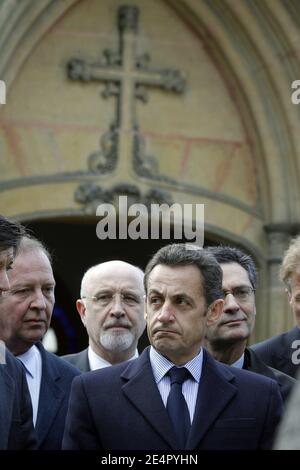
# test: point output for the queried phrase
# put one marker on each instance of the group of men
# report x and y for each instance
(192, 388)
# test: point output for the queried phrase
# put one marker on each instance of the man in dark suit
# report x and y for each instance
(283, 351)
(227, 338)
(111, 308)
(25, 313)
(16, 428)
(135, 405)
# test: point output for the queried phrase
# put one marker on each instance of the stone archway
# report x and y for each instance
(229, 141)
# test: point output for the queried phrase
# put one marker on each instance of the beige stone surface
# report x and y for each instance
(230, 141)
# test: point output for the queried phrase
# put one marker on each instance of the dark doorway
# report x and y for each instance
(75, 247)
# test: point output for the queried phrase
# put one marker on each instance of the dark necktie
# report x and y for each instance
(176, 405)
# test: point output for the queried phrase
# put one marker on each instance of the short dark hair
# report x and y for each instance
(229, 254)
(180, 254)
(10, 234)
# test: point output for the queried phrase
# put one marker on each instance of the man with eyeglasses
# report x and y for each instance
(111, 308)
(227, 338)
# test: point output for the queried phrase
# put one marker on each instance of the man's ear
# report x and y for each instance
(289, 295)
(214, 311)
(145, 308)
(81, 310)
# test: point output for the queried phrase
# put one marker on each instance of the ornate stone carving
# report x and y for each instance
(90, 195)
(104, 160)
(127, 77)
(146, 165)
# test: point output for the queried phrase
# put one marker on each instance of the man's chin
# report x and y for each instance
(34, 336)
(237, 335)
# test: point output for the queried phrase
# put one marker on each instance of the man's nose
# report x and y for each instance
(166, 312)
(230, 304)
(38, 300)
(117, 306)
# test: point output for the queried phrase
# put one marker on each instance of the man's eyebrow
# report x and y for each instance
(154, 291)
(183, 295)
(19, 286)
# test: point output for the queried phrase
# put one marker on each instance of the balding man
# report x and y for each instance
(112, 310)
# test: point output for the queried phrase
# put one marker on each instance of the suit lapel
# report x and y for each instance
(7, 396)
(51, 396)
(215, 392)
(141, 390)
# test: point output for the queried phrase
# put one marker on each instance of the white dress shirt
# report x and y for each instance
(239, 363)
(161, 366)
(97, 362)
(32, 362)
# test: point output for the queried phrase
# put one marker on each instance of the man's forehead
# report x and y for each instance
(177, 279)
(295, 280)
(172, 290)
(100, 282)
(234, 273)
(30, 265)
(166, 271)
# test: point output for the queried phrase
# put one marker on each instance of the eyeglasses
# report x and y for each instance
(104, 299)
(240, 293)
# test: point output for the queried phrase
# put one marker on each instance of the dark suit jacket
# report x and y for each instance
(120, 407)
(79, 360)
(16, 428)
(57, 377)
(254, 364)
(277, 351)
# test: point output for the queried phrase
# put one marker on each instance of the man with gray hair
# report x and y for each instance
(283, 351)
(174, 395)
(111, 308)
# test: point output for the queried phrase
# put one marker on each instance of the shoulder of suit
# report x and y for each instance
(282, 377)
(65, 368)
(12, 365)
(267, 343)
(71, 357)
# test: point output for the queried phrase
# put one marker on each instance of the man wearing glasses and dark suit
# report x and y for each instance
(227, 338)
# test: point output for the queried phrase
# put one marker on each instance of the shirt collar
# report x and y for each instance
(161, 365)
(239, 364)
(28, 359)
(97, 362)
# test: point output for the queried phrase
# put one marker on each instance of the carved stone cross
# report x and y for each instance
(126, 76)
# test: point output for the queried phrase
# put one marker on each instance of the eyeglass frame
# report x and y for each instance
(251, 291)
(96, 298)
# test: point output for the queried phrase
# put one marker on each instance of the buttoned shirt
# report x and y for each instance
(161, 366)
